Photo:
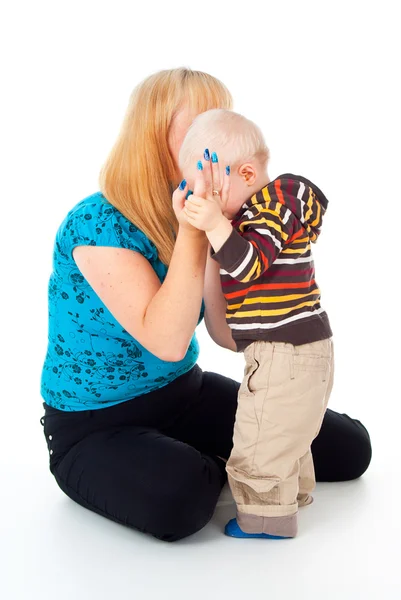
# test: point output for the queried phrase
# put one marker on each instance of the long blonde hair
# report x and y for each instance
(139, 174)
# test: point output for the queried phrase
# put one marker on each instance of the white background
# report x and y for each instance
(322, 80)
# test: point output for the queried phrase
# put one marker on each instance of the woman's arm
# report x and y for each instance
(162, 317)
(215, 307)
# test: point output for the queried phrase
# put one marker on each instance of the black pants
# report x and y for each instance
(153, 463)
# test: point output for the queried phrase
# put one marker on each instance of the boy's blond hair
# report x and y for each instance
(234, 138)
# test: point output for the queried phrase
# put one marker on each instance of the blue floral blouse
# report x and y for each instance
(92, 361)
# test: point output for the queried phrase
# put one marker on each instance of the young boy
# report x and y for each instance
(261, 234)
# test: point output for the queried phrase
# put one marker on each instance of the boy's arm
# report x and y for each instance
(215, 307)
(246, 254)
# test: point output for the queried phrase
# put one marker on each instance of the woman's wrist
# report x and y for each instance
(192, 233)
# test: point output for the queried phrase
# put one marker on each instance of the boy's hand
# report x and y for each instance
(204, 214)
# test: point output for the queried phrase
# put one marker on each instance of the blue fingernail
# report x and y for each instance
(214, 157)
(182, 184)
(199, 165)
(228, 170)
(190, 192)
(206, 154)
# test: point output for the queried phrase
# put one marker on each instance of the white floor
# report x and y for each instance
(349, 544)
(348, 548)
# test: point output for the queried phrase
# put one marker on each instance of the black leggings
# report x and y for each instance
(153, 463)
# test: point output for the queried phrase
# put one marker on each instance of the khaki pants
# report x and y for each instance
(282, 401)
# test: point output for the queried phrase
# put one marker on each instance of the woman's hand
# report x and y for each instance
(179, 196)
(205, 210)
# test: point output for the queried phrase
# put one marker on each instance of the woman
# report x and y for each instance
(136, 432)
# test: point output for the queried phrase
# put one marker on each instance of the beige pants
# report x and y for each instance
(282, 401)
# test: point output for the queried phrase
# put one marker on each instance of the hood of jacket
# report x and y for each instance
(302, 197)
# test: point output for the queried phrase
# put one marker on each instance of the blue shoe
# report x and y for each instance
(233, 530)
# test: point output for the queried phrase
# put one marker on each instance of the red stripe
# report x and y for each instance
(230, 282)
(279, 193)
(292, 197)
(296, 235)
(271, 286)
(288, 194)
(264, 241)
(283, 273)
(261, 254)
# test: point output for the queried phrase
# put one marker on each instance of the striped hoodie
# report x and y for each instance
(267, 270)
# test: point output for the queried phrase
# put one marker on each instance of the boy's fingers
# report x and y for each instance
(191, 220)
(195, 200)
(191, 208)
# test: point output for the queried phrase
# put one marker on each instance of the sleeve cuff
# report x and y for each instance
(232, 253)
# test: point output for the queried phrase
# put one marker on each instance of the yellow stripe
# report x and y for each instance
(272, 299)
(296, 250)
(265, 210)
(310, 205)
(266, 194)
(251, 272)
(275, 212)
(311, 233)
(319, 210)
(299, 240)
(270, 313)
(282, 209)
(271, 211)
(272, 224)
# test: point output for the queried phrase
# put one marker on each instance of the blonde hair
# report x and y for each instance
(234, 138)
(139, 175)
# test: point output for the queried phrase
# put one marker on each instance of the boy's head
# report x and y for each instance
(238, 143)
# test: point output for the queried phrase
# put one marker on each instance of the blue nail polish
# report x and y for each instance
(190, 192)
(214, 157)
(199, 165)
(228, 170)
(206, 154)
(182, 184)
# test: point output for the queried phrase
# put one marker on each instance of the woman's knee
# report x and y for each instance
(342, 451)
(171, 492)
(185, 504)
(363, 450)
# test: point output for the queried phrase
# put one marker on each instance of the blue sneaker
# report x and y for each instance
(233, 530)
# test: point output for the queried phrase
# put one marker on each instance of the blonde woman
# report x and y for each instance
(135, 430)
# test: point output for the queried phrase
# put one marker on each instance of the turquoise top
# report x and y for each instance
(92, 361)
